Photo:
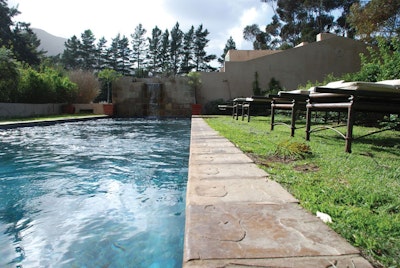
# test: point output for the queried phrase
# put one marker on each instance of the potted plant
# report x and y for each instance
(195, 83)
(108, 76)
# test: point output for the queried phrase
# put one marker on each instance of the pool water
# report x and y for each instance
(102, 193)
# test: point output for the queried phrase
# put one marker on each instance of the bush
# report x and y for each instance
(382, 63)
(88, 86)
(46, 86)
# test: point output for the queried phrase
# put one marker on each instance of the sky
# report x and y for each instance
(222, 18)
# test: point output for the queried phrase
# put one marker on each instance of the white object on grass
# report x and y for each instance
(324, 217)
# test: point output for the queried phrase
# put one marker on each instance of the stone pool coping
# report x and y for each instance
(236, 216)
(48, 122)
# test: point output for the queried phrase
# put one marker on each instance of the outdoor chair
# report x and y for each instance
(352, 98)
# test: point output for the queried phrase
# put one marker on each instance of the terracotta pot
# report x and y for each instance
(196, 109)
(68, 109)
(108, 109)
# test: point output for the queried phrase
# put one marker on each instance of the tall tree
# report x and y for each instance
(18, 37)
(259, 38)
(377, 17)
(230, 45)
(298, 21)
(200, 57)
(88, 50)
(176, 48)
(165, 56)
(139, 46)
(71, 55)
(154, 53)
(124, 53)
(113, 53)
(101, 54)
(187, 51)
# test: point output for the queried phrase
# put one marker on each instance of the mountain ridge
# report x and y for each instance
(53, 45)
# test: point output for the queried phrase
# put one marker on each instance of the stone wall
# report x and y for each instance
(8, 110)
(132, 97)
(28, 110)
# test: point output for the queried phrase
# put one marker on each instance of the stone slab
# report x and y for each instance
(232, 158)
(220, 170)
(348, 261)
(203, 192)
(253, 231)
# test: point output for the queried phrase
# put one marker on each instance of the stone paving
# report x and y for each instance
(237, 217)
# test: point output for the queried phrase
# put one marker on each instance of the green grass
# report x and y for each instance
(360, 191)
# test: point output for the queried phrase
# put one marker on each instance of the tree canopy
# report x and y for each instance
(171, 51)
(18, 36)
(300, 21)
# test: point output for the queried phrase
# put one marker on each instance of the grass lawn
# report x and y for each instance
(360, 191)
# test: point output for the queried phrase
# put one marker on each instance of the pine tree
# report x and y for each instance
(71, 55)
(200, 57)
(88, 50)
(165, 56)
(112, 53)
(230, 45)
(139, 47)
(187, 51)
(101, 55)
(176, 48)
(124, 53)
(154, 53)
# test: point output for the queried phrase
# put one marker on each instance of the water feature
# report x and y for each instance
(154, 95)
(106, 193)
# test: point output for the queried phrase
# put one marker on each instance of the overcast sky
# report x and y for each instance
(222, 18)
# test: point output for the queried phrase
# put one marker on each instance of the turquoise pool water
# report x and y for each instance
(104, 193)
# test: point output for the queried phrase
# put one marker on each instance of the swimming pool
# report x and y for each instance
(102, 193)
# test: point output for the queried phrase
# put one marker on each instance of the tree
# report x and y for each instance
(154, 54)
(200, 57)
(108, 76)
(300, 21)
(71, 56)
(165, 56)
(139, 46)
(101, 55)
(230, 45)
(88, 50)
(9, 76)
(176, 48)
(254, 34)
(377, 17)
(118, 55)
(124, 52)
(18, 37)
(187, 51)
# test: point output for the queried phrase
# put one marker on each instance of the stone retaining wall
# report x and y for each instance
(8, 110)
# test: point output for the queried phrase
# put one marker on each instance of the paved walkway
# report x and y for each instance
(237, 217)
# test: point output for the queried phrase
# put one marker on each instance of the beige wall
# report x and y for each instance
(245, 55)
(292, 68)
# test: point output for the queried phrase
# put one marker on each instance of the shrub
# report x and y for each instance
(9, 76)
(46, 86)
(292, 150)
(88, 86)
